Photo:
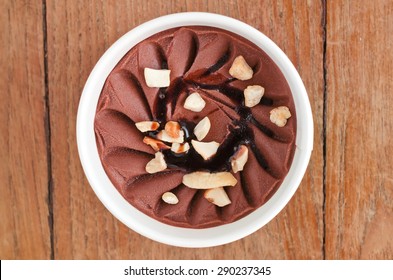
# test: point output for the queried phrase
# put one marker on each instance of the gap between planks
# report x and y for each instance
(48, 133)
(324, 115)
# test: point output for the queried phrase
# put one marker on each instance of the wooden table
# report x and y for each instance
(343, 50)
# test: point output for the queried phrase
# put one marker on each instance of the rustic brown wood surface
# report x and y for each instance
(24, 224)
(359, 182)
(341, 210)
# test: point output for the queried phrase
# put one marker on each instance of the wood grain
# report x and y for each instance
(24, 228)
(351, 217)
(359, 190)
(78, 34)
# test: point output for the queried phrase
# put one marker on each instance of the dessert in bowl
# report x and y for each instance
(194, 129)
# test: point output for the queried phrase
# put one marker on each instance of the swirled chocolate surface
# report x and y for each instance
(199, 59)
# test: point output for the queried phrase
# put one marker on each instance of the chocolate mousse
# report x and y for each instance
(196, 127)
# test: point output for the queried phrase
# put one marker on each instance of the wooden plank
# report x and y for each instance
(78, 34)
(24, 227)
(359, 192)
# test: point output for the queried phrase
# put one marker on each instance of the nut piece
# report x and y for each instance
(240, 69)
(280, 115)
(202, 128)
(217, 196)
(205, 149)
(147, 126)
(157, 164)
(164, 136)
(205, 180)
(173, 129)
(253, 95)
(194, 102)
(155, 144)
(157, 78)
(170, 198)
(180, 148)
(239, 159)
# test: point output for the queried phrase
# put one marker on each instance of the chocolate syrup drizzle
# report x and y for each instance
(239, 132)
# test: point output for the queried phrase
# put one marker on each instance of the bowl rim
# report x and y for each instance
(145, 225)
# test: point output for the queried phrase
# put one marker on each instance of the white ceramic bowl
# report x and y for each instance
(142, 223)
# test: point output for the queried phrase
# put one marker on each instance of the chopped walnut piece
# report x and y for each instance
(239, 159)
(217, 196)
(280, 115)
(147, 126)
(157, 77)
(157, 164)
(155, 144)
(202, 128)
(253, 95)
(164, 136)
(170, 198)
(194, 102)
(205, 149)
(240, 69)
(180, 148)
(206, 180)
(173, 129)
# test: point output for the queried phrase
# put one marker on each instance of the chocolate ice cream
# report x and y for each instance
(199, 59)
